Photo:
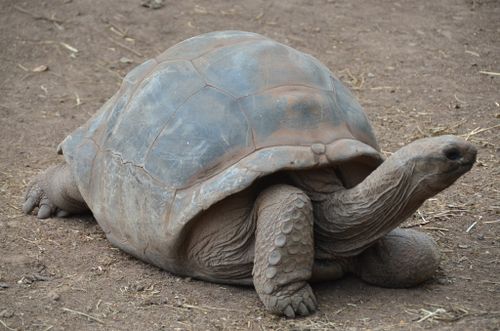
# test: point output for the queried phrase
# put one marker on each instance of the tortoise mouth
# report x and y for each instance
(448, 177)
(467, 166)
(458, 170)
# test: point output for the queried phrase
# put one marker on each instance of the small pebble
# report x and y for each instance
(444, 281)
(53, 296)
(126, 60)
(152, 4)
(149, 302)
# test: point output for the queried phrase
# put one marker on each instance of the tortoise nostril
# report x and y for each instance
(453, 154)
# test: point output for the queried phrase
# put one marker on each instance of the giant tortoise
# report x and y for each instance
(236, 159)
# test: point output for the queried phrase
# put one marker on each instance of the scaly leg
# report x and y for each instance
(54, 192)
(402, 258)
(284, 251)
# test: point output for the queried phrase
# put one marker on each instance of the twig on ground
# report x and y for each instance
(83, 314)
(115, 73)
(461, 101)
(118, 31)
(448, 129)
(492, 222)
(422, 217)
(447, 212)
(203, 308)
(52, 42)
(470, 227)
(435, 228)
(77, 99)
(6, 326)
(472, 53)
(355, 82)
(412, 225)
(208, 308)
(491, 73)
(421, 131)
(23, 67)
(429, 314)
(38, 17)
(69, 47)
(479, 130)
(98, 304)
(439, 130)
(133, 51)
(13, 206)
(375, 88)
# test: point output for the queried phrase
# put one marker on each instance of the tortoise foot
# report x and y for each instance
(403, 258)
(54, 193)
(293, 300)
(36, 196)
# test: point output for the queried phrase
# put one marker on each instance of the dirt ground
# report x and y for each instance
(420, 68)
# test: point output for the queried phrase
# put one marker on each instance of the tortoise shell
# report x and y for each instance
(203, 121)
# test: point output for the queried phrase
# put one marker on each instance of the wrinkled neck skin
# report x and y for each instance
(350, 220)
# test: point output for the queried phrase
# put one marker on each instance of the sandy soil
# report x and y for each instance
(420, 68)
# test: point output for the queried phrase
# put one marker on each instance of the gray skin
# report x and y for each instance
(308, 227)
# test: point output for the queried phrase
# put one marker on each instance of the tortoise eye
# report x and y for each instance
(453, 154)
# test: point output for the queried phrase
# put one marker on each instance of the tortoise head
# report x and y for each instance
(436, 162)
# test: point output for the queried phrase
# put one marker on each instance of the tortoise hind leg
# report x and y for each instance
(54, 192)
(402, 258)
(284, 251)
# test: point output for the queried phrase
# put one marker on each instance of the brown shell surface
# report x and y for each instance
(202, 121)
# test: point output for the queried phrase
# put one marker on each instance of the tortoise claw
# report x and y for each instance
(311, 303)
(44, 212)
(33, 197)
(46, 208)
(288, 312)
(302, 309)
(29, 205)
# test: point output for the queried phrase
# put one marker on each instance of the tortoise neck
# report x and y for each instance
(348, 221)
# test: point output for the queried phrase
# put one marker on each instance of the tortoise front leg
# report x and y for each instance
(54, 192)
(284, 251)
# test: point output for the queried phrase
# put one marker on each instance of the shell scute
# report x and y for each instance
(154, 103)
(197, 46)
(259, 66)
(292, 116)
(206, 130)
